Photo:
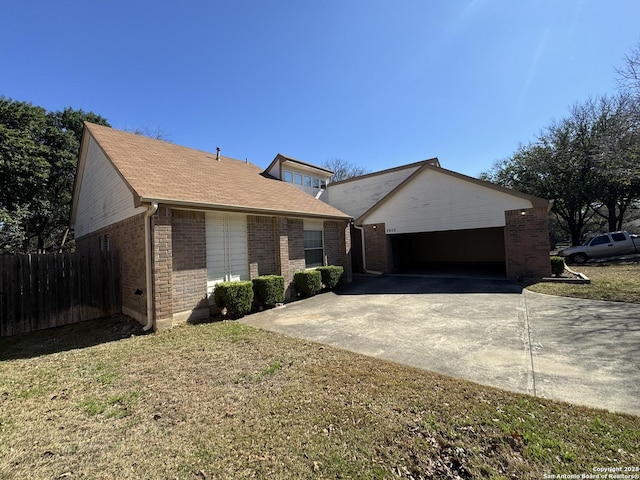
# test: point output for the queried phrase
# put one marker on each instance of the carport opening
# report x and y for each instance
(464, 252)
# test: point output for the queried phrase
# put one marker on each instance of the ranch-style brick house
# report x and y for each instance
(183, 220)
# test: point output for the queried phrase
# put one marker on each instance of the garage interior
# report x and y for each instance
(469, 252)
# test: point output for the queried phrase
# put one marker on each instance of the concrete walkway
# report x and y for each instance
(485, 330)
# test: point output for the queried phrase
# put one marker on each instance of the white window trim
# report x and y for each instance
(314, 226)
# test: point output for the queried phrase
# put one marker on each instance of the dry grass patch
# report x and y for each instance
(224, 400)
(617, 282)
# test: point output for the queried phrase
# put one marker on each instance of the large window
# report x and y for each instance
(313, 248)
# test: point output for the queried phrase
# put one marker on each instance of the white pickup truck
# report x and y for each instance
(609, 244)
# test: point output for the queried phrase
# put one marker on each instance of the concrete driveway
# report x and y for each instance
(485, 330)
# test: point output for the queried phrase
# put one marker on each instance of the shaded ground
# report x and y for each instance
(69, 337)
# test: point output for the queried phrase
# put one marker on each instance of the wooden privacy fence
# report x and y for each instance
(43, 291)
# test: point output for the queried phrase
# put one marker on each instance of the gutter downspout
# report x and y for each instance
(153, 208)
(364, 258)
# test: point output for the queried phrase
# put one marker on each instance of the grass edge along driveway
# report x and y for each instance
(616, 282)
(223, 400)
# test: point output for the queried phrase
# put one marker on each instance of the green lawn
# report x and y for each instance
(222, 400)
(619, 282)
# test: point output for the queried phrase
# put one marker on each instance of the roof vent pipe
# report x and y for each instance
(218, 153)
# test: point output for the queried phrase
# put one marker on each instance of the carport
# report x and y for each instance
(471, 251)
(425, 218)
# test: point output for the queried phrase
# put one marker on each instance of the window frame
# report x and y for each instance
(599, 240)
(315, 227)
(618, 237)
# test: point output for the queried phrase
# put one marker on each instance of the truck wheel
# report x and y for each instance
(578, 258)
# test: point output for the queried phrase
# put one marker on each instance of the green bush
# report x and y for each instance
(557, 266)
(236, 297)
(331, 275)
(268, 290)
(308, 283)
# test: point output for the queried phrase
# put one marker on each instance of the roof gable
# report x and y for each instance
(164, 172)
(275, 166)
(431, 161)
(427, 167)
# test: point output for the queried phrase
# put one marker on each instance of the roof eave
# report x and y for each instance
(535, 201)
(192, 205)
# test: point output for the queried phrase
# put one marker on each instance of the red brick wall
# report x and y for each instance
(162, 264)
(189, 266)
(126, 237)
(526, 238)
(262, 245)
(337, 245)
(356, 250)
(296, 245)
(376, 245)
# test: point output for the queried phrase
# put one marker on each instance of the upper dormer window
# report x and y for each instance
(303, 180)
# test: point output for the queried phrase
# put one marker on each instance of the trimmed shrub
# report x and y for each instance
(308, 283)
(331, 275)
(236, 297)
(268, 290)
(557, 266)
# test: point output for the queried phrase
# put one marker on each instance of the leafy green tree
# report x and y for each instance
(616, 133)
(587, 163)
(38, 158)
(558, 166)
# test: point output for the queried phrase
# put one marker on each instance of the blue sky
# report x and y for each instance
(376, 83)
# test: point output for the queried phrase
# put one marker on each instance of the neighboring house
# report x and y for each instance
(420, 215)
(184, 220)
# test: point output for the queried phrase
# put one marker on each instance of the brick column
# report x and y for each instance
(356, 250)
(162, 268)
(376, 245)
(337, 238)
(346, 252)
(262, 245)
(526, 242)
(282, 248)
(189, 265)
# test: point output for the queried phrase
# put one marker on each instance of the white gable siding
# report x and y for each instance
(434, 201)
(104, 198)
(275, 170)
(358, 196)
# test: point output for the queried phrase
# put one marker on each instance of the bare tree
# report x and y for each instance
(628, 77)
(342, 169)
(150, 132)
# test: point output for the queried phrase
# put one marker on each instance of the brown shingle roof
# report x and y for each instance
(160, 171)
